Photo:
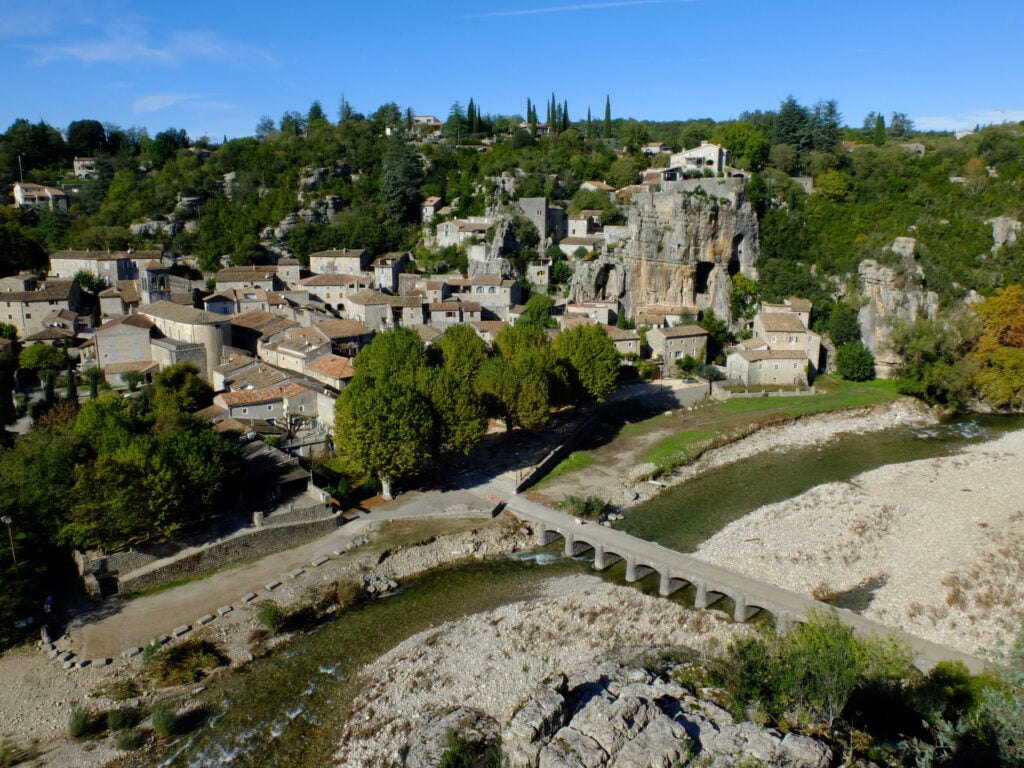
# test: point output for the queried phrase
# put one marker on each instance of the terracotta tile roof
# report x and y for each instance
(51, 333)
(54, 290)
(234, 274)
(426, 332)
(235, 363)
(265, 395)
(336, 253)
(333, 366)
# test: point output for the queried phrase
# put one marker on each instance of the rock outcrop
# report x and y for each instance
(616, 716)
(685, 240)
(1004, 231)
(892, 294)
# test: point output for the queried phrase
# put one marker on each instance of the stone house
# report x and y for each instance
(671, 344)
(453, 311)
(295, 348)
(370, 308)
(38, 196)
(626, 341)
(387, 268)
(332, 288)
(248, 328)
(168, 351)
(794, 306)
(106, 266)
(495, 294)
(232, 301)
(786, 331)
(460, 231)
(84, 167)
(273, 403)
(28, 310)
(706, 157)
(602, 312)
(252, 276)
(589, 243)
(429, 208)
(550, 220)
(333, 370)
(192, 326)
(598, 186)
(122, 298)
(759, 367)
(344, 261)
(125, 339)
(347, 337)
(488, 330)
(656, 148)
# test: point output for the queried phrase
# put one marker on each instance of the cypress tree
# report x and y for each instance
(590, 132)
(607, 117)
(565, 114)
(879, 136)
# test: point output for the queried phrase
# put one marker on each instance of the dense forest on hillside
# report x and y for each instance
(864, 196)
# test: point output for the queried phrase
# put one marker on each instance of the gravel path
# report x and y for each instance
(936, 545)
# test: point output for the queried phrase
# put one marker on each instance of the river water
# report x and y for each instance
(287, 709)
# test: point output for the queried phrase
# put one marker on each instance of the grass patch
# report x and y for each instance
(679, 443)
(120, 690)
(185, 662)
(575, 461)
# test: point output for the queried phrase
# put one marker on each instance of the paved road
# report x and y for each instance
(778, 601)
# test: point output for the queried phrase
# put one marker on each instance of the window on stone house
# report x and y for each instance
(773, 339)
(245, 411)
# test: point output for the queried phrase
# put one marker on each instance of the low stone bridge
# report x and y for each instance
(676, 571)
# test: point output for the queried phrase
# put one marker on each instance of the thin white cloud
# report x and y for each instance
(967, 120)
(154, 102)
(127, 40)
(574, 8)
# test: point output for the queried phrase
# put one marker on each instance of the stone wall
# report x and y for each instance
(247, 545)
(283, 516)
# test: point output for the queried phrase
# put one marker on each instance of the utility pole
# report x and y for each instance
(7, 521)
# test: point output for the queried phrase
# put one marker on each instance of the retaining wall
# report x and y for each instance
(246, 545)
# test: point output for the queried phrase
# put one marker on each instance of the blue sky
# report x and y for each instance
(214, 68)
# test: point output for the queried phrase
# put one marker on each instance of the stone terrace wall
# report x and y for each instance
(247, 545)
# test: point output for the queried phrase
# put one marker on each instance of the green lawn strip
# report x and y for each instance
(574, 461)
(678, 443)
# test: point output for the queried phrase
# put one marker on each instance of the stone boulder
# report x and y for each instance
(428, 742)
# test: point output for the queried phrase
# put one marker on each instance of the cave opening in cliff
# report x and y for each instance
(702, 277)
(739, 251)
(733, 266)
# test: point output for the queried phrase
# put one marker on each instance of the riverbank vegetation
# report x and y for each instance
(865, 698)
(105, 473)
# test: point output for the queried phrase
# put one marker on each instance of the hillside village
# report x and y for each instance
(277, 341)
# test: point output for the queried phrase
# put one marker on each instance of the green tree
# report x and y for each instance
(384, 426)
(879, 135)
(623, 172)
(88, 281)
(854, 362)
(607, 127)
(401, 176)
(593, 360)
(743, 297)
(517, 394)
(538, 311)
(458, 415)
(8, 331)
(181, 389)
(718, 335)
(462, 351)
(843, 325)
(40, 358)
(397, 352)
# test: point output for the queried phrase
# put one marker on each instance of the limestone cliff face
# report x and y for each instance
(684, 242)
(892, 294)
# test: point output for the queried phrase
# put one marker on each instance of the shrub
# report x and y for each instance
(584, 506)
(184, 663)
(854, 362)
(122, 719)
(271, 616)
(463, 753)
(164, 720)
(82, 723)
(120, 690)
(129, 741)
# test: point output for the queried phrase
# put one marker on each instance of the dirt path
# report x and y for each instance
(121, 624)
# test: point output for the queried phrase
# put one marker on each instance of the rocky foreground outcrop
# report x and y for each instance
(617, 716)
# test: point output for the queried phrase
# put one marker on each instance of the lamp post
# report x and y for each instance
(7, 521)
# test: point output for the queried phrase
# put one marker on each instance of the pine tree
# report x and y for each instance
(878, 139)
(607, 117)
